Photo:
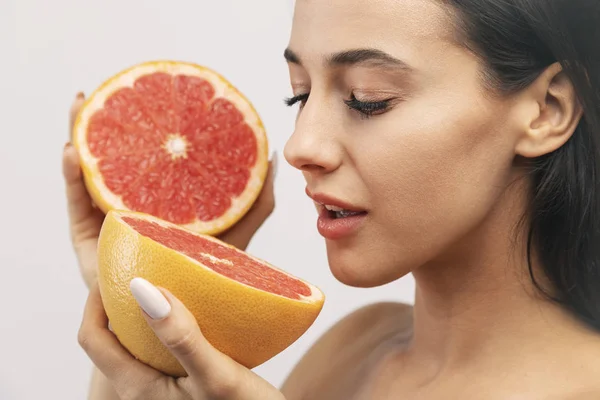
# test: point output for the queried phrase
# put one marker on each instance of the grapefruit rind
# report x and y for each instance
(316, 293)
(248, 324)
(106, 200)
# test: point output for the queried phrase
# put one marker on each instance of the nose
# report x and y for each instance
(315, 145)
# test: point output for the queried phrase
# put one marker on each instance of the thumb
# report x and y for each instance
(177, 328)
(241, 233)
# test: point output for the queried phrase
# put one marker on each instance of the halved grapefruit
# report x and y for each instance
(245, 307)
(174, 140)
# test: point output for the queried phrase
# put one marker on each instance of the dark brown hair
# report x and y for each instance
(518, 40)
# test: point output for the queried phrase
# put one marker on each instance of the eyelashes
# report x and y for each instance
(301, 98)
(365, 108)
(368, 108)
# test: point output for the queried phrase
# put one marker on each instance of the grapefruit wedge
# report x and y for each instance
(246, 308)
(174, 140)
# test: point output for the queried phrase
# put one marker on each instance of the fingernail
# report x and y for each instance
(274, 162)
(67, 145)
(150, 298)
(80, 95)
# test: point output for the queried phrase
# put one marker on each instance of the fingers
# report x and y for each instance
(78, 199)
(103, 348)
(75, 107)
(266, 200)
(79, 202)
(265, 203)
(71, 168)
(241, 234)
(175, 326)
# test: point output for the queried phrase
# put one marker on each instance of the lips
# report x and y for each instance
(334, 207)
(337, 219)
(335, 212)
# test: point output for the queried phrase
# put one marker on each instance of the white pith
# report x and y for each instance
(216, 259)
(316, 294)
(176, 146)
(223, 89)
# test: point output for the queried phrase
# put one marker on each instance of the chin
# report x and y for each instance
(358, 269)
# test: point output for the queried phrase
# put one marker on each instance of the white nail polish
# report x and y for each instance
(150, 298)
(274, 163)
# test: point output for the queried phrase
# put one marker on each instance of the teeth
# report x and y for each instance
(333, 208)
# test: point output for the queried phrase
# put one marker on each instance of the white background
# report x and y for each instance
(49, 50)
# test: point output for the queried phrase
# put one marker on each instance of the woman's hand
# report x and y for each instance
(86, 220)
(211, 374)
(123, 371)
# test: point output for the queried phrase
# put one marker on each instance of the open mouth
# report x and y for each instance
(339, 221)
(333, 212)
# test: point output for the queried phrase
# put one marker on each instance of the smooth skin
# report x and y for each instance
(435, 169)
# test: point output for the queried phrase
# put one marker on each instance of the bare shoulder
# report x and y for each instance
(588, 369)
(351, 336)
(580, 365)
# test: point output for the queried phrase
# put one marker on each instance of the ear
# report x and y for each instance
(557, 113)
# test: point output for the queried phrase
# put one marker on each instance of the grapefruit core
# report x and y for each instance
(174, 140)
(246, 308)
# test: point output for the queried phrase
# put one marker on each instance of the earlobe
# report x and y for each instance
(559, 113)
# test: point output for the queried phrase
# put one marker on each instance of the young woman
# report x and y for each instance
(461, 139)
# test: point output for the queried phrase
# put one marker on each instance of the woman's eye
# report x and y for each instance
(365, 108)
(368, 108)
(301, 98)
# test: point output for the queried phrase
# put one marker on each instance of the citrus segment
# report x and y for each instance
(158, 100)
(192, 95)
(177, 204)
(126, 107)
(245, 307)
(174, 140)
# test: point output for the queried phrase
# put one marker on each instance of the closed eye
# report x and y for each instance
(365, 108)
(368, 108)
(301, 98)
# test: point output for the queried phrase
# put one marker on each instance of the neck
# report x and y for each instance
(479, 301)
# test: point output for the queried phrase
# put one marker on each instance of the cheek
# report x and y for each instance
(434, 176)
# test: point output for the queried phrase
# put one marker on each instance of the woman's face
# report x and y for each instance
(399, 128)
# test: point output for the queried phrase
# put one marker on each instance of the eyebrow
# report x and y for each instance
(364, 57)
